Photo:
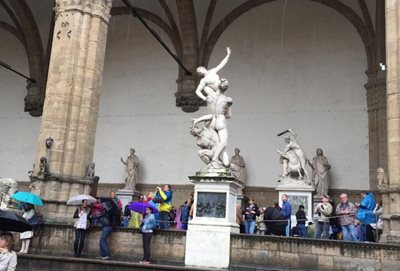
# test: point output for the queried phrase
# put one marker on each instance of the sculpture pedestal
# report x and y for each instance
(214, 219)
(298, 193)
(127, 196)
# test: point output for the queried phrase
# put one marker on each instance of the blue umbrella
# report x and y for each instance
(140, 207)
(28, 197)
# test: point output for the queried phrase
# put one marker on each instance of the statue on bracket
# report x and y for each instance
(381, 177)
(131, 170)
(293, 160)
(219, 111)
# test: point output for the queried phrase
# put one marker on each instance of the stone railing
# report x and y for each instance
(315, 254)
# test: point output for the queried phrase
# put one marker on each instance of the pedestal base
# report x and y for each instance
(214, 219)
(127, 196)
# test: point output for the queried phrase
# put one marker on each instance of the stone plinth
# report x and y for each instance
(298, 193)
(127, 196)
(214, 219)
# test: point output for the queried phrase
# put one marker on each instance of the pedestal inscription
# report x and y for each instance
(211, 204)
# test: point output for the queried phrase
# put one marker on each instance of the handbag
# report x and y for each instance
(34, 221)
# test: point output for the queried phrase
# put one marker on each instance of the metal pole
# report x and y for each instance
(154, 33)
(8, 67)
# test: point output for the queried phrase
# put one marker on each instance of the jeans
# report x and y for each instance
(104, 251)
(79, 241)
(322, 230)
(164, 220)
(146, 238)
(249, 226)
(302, 230)
(348, 232)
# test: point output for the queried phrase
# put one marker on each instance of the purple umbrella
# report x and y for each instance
(140, 207)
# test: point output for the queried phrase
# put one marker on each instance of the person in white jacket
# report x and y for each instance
(8, 257)
(322, 213)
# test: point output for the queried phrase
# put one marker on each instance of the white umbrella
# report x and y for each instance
(77, 200)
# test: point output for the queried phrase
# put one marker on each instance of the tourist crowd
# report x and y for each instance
(360, 221)
(349, 221)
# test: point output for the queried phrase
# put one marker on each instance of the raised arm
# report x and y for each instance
(223, 62)
(199, 88)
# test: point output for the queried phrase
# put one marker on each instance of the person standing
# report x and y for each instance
(149, 223)
(301, 221)
(323, 211)
(107, 221)
(286, 212)
(81, 217)
(165, 197)
(250, 214)
(26, 236)
(8, 258)
(117, 201)
(346, 210)
(365, 213)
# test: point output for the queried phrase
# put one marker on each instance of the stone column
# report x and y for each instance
(391, 191)
(72, 101)
(377, 124)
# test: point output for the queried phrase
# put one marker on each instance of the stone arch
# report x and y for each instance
(27, 32)
(347, 12)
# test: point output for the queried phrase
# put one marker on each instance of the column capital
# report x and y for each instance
(96, 8)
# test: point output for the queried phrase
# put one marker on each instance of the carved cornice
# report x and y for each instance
(385, 189)
(96, 8)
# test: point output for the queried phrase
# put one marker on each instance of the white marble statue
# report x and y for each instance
(238, 166)
(219, 111)
(8, 187)
(293, 159)
(320, 176)
(207, 139)
(131, 170)
(381, 177)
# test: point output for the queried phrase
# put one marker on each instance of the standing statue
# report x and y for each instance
(320, 177)
(219, 111)
(131, 170)
(293, 159)
(238, 166)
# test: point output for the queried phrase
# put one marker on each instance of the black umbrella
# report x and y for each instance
(10, 221)
(112, 210)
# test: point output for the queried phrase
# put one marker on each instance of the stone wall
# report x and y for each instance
(246, 250)
(124, 243)
(313, 254)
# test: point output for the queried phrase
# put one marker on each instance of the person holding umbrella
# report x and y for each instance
(81, 216)
(26, 236)
(148, 224)
(8, 258)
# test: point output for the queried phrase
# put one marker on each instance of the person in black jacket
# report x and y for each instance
(250, 216)
(279, 223)
(301, 221)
